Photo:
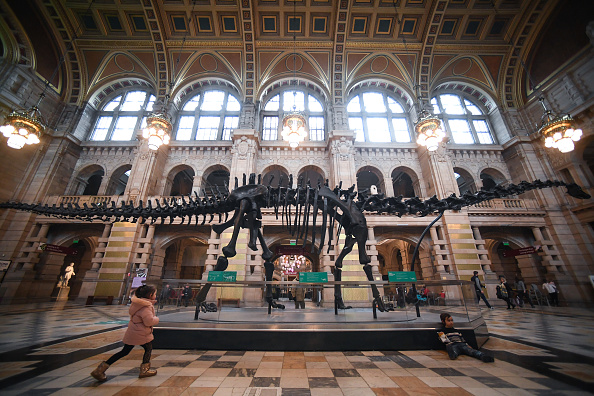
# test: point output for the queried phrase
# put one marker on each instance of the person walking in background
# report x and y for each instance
(455, 343)
(187, 294)
(477, 288)
(165, 294)
(521, 290)
(505, 292)
(553, 293)
(139, 332)
(299, 298)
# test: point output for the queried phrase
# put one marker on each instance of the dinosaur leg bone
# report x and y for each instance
(377, 299)
(348, 246)
(229, 250)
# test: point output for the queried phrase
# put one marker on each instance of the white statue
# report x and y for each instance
(69, 272)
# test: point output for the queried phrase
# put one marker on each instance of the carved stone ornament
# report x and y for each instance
(342, 148)
(441, 154)
(242, 147)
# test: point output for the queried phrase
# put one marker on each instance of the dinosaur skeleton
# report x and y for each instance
(298, 207)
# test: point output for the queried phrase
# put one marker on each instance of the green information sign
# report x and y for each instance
(402, 276)
(222, 276)
(313, 277)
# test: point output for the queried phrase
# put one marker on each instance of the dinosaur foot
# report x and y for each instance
(229, 251)
(379, 304)
(341, 305)
(208, 307)
(274, 304)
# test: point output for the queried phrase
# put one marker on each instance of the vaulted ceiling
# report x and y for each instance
(251, 43)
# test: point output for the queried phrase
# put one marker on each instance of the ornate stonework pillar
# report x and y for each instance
(244, 150)
(342, 157)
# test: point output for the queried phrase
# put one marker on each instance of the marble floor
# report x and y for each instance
(50, 350)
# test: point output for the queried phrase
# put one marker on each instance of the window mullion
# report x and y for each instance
(221, 126)
(114, 120)
(365, 130)
(473, 130)
(195, 124)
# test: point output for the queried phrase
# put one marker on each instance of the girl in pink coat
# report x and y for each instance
(139, 332)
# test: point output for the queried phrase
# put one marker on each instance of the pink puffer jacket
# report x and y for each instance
(142, 320)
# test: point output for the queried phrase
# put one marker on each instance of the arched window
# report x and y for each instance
(464, 121)
(283, 103)
(122, 116)
(209, 115)
(379, 118)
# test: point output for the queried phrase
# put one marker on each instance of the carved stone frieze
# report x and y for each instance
(343, 148)
(110, 158)
(293, 160)
(244, 147)
(387, 160)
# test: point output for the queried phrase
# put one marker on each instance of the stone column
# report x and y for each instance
(480, 245)
(90, 280)
(245, 147)
(342, 151)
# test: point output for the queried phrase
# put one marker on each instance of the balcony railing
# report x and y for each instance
(507, 204)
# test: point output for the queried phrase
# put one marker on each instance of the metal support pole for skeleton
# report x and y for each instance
(414, 258)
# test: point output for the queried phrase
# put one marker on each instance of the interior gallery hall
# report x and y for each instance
(294, 197)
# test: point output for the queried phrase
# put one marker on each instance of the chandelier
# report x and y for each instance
(427, 127)
(158, 129)
(558, 131)
(294, 128)
(23, 127)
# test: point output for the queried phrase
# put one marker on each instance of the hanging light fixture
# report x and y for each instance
(158, 124)
(158, 127)
(23, 126)
(428, 128)
(294, 122)
(294, 128)
(558, 131)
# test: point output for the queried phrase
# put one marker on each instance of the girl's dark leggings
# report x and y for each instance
(148, 349)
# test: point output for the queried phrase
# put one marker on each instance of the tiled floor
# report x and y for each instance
(529, 361)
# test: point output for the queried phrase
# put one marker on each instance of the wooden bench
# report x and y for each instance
(92, 299)
(228, 301)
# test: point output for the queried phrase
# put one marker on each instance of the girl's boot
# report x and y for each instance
(145, 371)
(99, 372)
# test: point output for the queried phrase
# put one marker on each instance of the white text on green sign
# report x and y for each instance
(313, 277)
(222, 276)
(402, 276)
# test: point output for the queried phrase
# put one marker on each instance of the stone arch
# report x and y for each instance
(87, 180)
(481, 97)
(216, 175)
(276, 171)
(118, 180)
(391, 240)
(50, 266)
(465, 181)
(300, 83)
(405, 182)
(179, 180)
(491, 177)
(102, 93)
(391, 88)
(529, 267)
(312, 173)
(191, 88)
(180, 255)
(368, 176)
